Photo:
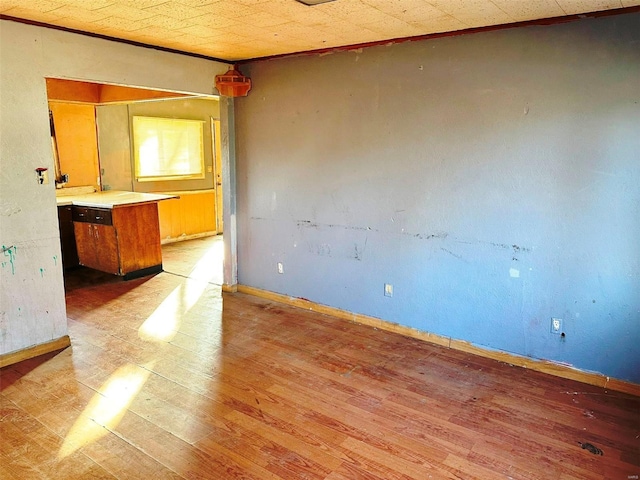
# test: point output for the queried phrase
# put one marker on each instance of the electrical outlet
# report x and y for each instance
(556, 325)
(280, 268)
(388, 290)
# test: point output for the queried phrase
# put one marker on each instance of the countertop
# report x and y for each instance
(111, 199)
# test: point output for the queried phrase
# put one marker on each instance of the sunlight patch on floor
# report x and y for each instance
(208, 267)
(107, 407)
(163, 324)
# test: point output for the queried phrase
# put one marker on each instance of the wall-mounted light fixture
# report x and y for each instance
(314, 2)
(42, 175)
(233, 83)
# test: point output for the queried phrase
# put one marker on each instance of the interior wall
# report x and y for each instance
(114, 147)
(76, 142)
(114, 131)
(491, 178)
(32, 308)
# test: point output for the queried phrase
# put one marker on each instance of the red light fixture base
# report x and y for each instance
(233, 83)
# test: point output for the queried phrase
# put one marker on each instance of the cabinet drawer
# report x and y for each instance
(100, 216)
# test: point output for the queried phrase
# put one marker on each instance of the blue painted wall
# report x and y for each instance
(493, 179)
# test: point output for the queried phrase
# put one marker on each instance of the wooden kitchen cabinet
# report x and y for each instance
(123, 240)
(97, 247)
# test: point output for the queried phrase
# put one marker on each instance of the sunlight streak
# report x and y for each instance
(208, 267)
(107, 407)
(163, 324)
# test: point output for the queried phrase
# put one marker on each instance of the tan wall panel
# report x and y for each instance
(192, 214)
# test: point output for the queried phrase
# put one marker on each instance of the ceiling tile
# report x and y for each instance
(40, 6)
(197, 3)
(165, 22)
(79, 14)
(131, 3)
(124, 11)
(201, 31)
(117, 23)
(262, 19)
(174, 10)
(521, 11)
(572, 7)
(95, 4)
(214, 21)
(37, 16)
(237, 29)
(228, 8)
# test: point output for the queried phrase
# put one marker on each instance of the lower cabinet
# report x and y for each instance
(124, 240)
(98, 247)
(67, 237)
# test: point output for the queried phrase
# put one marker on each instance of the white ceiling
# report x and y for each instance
(242, 29)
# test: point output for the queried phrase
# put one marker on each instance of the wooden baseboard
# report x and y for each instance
(229, 288)
(193, 236)
(35, 351)
(551, 368)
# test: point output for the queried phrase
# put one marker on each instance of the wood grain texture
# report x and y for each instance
(551, 368)
(169, 378)
(138, 236)
(35, 351)
(194, 213)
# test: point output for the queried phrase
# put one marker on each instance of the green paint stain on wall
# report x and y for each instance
(55, 260)
(11, 253)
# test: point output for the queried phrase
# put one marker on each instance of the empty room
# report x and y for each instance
(344, 239)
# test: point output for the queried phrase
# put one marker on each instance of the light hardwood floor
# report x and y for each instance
(167, 378)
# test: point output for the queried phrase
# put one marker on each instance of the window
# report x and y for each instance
(168, 149)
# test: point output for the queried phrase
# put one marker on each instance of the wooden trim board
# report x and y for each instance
(229, 288)
(544, 366)
(193, 236)
(35, 351)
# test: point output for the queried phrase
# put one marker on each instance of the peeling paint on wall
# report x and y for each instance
(480, 189)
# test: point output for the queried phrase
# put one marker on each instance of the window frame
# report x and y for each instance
(172, 177)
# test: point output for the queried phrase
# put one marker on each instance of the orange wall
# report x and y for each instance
(114, 93)
(70, 91)
(85, 92)
(76, 138)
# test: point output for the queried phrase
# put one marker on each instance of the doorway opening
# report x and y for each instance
(93, 147)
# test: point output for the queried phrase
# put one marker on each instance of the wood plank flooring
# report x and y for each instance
(168, 378)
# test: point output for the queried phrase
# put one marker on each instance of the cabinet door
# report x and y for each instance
(85, 244)
(97, 247)
(107, 254)
(138, 236)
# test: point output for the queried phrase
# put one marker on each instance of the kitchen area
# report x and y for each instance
(114, 210)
